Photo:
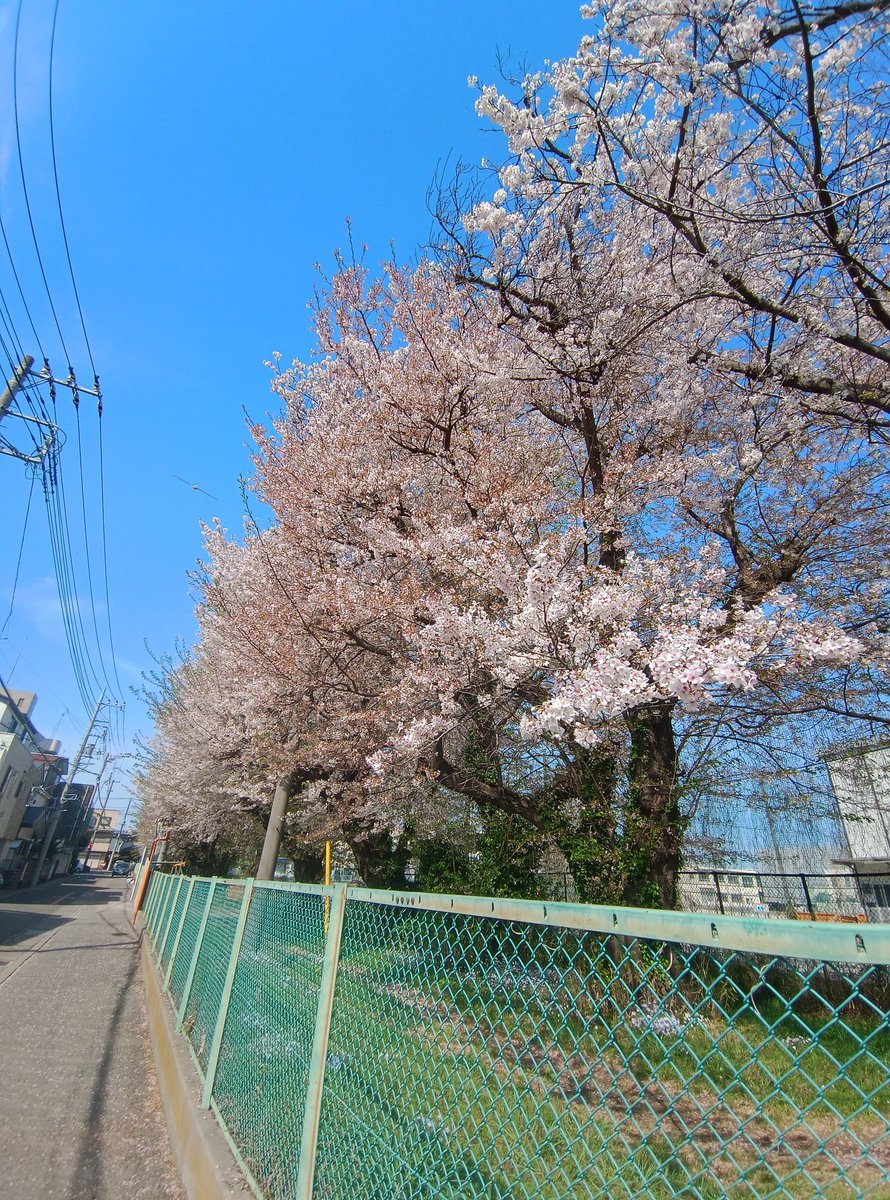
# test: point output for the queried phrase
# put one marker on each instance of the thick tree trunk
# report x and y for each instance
(653, 825)
(380, 863)
(587, 839)
(308, 865)
(275, 827)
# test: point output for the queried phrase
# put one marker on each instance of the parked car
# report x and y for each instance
(121, 868)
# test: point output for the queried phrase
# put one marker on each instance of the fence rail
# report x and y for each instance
(397, 1046)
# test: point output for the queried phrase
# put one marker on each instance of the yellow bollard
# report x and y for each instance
(327, 880)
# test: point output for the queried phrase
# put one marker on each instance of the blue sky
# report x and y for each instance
(209, 154)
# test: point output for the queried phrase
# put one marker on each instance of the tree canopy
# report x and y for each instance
(597, 486)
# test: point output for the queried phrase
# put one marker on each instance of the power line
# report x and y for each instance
(11, 330)
(52, 140)
(18, 142)
(88, 659)
(66, 580)
(15, 582)
(103, 526)
(18, 282)
(86, 542)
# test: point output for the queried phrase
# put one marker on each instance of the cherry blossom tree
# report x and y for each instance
(603, 484)
(561, 569)
(750, 140)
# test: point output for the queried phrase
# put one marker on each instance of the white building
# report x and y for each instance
(29, 766)
(860, 780)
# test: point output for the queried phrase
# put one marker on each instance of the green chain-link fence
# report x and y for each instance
(363, 1045)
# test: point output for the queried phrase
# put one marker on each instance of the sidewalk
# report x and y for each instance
(81, 1118)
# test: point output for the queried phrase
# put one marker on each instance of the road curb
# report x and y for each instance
(206, 1165)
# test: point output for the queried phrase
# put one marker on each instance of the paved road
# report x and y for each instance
(80, 1117)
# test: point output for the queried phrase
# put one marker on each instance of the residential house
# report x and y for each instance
(30, 768)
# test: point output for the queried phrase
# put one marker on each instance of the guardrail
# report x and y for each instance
(398, 1046)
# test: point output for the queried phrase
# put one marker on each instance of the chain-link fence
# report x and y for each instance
(795, 895)
(365, 1045)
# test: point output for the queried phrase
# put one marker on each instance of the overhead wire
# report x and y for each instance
(18, 283)
(52, 142)
(68, 577)
(18, 142)
(59, 570)
(103, 521)
(86, 544)
(104, 526)
(29, 395)
(18, 564)
(10, 328)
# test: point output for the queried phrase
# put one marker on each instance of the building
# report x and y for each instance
(108, 839)
(736, 893)
(30, 770)
(860, 779)
(74, 826)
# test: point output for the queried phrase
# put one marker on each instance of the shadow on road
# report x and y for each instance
(87, 1180)
(70, 889)
(24, 926)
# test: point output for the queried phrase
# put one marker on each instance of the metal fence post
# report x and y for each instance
(210, 1074)
(189, 979)
(807, 897)
(315, 1082)
(719, 893)
(179, 928)
(175, 889)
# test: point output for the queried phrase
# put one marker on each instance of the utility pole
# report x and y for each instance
(101, 816)
(66, 791)
(20, 373)
(13, 386)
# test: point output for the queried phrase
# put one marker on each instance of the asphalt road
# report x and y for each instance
(80, 1117)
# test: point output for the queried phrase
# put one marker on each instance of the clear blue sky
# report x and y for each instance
(209, 154)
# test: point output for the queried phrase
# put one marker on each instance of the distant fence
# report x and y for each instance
(366, 1045)
(795, 895)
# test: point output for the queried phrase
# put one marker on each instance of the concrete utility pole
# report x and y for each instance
(66, 791)
(100, 818)
(13, 387)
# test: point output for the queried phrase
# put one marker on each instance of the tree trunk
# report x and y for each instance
(653, 825)
(380, 863)
(588, 841)
(272, 842)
